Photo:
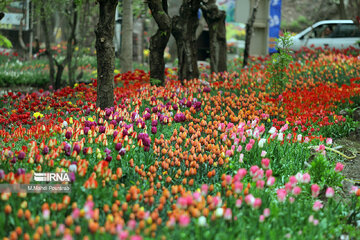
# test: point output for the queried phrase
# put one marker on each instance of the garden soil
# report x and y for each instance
(350, 146)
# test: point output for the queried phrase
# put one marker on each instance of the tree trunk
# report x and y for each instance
(105, 53)
(160, 39)
(59, 72)
(71, 43)
(177, 31)
(20, 36)
(47, 44)
(217, 31)
(249, 30)
(84, 23)
(126, 54)
(184, 31)
(221, 38)
(342, 12)
(55, 79)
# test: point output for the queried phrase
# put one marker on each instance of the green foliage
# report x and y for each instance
(139, 8)
(297, 25)
(340, 130)
(278, 63)
(4, 42)
(3, 4)
(322, 171)
(155, 81)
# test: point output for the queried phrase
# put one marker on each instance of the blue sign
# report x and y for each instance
(274, 24)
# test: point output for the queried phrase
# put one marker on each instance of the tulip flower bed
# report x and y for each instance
(220, 157)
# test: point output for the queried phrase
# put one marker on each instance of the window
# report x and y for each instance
(347, 30)
(322, 31)
(327, 30)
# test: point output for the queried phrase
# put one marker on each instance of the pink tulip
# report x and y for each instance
(339, 167)
(270, 181)
(257, 203)
(242, 173)
(266, 212)
(265, 163)
(329, 192)
(281, 194)
(238, 203)
(248, 147)
(228, 214)
(238, 187)
(253, 170)
(317, 205)
(184, 220)
(315, 190)
(268, 173)
(296, 191)
(249, 199)
(305, 178)
(260, 184)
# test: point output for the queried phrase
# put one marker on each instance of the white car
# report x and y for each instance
(338, 34)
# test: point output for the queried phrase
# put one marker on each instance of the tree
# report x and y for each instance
(126, 54)
(342, 11)
(184, 31)
(215, 18)
(183, 27)
(158, 42)
(20, 36)
(105, 53)
(71, 13)
(249, 30)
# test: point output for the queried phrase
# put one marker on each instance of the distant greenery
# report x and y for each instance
(34, 73)
(297, 25)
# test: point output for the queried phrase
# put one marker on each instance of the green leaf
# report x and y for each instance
(4, 42)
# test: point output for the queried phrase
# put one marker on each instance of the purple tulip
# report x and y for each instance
(122, 151)
(85, 150)
(102, 129)
(108, 158)
(206, 89)
(86, 130)
(21, 171)
(153, 130)
(45, 150)
(175, 107)
(125, 132)
(115, 134)
(21, 155)
(2, 174)
(77, 148)
(72, 176)
(68, 134)
(107, 151)
(147, 116)
(118, 146)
